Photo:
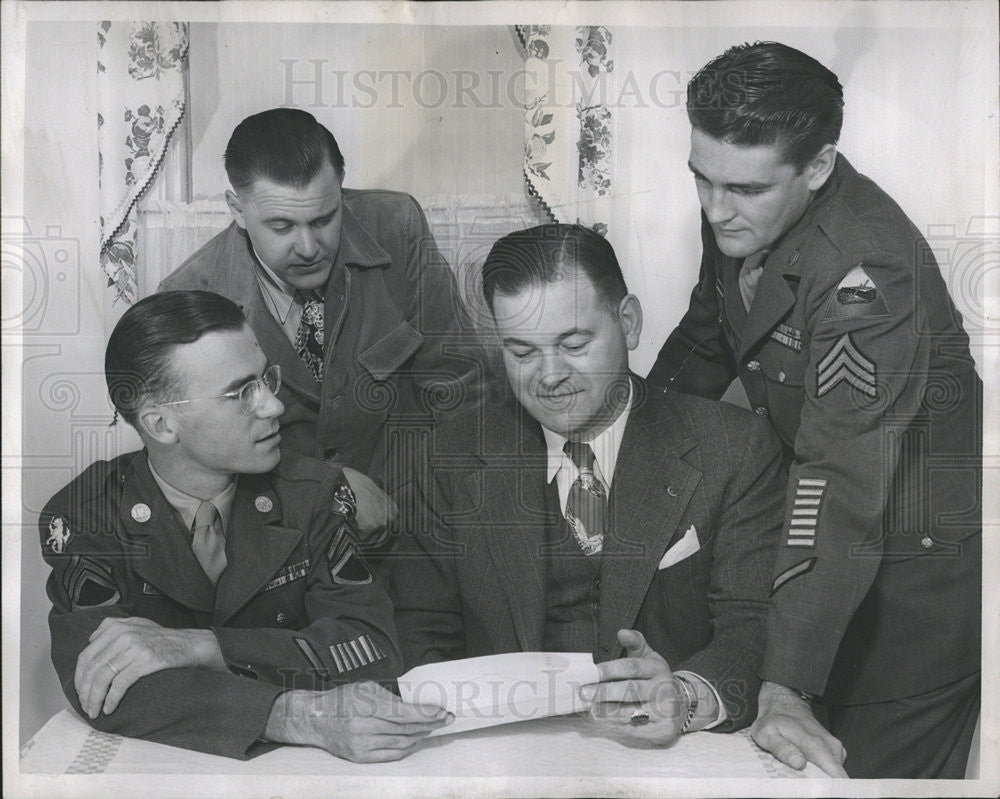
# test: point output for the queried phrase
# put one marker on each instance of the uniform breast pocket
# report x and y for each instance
(784, 370)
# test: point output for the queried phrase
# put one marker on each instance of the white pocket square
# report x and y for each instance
(686, 547)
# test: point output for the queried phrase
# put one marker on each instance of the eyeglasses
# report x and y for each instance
(250, 394)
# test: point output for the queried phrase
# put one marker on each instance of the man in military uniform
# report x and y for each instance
(206, 592)
(819, 293)
(347, 291)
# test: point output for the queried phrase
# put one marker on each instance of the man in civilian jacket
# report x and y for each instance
(348, 292)
(592, 516)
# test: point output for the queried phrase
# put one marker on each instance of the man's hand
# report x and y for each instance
(638, 684)
(123, 650)
(361, 721)
(787, 728)
(376, 510)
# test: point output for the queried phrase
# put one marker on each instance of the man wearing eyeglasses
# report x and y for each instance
(206, 591)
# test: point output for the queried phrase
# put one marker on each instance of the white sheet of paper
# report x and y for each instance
(500, 689)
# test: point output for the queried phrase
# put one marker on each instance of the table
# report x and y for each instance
(564, 746)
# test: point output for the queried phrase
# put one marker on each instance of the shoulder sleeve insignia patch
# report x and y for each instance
(803, 567)
(845, 362)
(346, 565)
(90, 584)
(59, 535)
(344, 502)
(856, 296)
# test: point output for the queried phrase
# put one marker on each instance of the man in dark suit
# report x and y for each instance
(590, 515)
(206, 591)
(348, 292)
(823, 298)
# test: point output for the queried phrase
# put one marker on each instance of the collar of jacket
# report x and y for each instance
(358, 249)
(160, 551)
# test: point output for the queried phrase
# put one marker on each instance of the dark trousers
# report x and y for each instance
(921, 737)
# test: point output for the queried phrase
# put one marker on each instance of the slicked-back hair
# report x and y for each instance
(137, 359)
(546, 254)
(768, 93)
(283, 145)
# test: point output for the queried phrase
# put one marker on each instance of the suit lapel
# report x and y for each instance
(515, 502)
(651, 488)
(163, 556)
(256, 546)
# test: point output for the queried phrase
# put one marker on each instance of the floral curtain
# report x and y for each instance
(568, 122)
(141, 99)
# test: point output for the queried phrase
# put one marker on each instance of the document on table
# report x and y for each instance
(500, 689)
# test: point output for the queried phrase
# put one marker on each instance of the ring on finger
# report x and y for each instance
(112, 667)
(639, 717)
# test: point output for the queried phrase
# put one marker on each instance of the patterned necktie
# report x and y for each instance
(587, 503)
(208, 542)
(309, 337)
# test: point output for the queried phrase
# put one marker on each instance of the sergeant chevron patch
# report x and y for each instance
(356, 653)
(347, 567)
(805, 512)
(788, 575)
(845, 361)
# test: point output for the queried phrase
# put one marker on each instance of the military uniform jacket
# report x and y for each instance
(699, 479)
(397, 339)
(854, 350)
(295, 607)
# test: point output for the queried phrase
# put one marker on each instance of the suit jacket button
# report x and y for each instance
(753, 366)
(781, 377)
(760, 410)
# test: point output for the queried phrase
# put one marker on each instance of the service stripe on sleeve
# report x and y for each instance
(356, 653)
(805, 512)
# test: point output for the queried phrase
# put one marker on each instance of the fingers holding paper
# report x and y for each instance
(638, 694)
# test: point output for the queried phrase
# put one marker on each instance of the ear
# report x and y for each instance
(630, 318)
(236, 206)
(157, 424)
(820, 168)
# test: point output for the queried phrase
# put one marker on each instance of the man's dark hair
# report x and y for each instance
(547, 253)
(283, 145)
(137, 360)
(767, 93)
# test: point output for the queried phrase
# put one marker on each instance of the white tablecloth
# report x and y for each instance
(565, 746)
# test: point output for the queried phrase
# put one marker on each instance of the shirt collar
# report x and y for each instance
(275, 290)
(605, 446)
(187, 506)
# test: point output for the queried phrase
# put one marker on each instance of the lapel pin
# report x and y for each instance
(141, 512)
(672, 491)
(263, 504)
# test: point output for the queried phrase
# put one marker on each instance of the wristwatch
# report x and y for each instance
(692, 701)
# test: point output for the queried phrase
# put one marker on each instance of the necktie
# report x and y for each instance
(309, 337)
(208, 542)
(750, 272)
(587, 503)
